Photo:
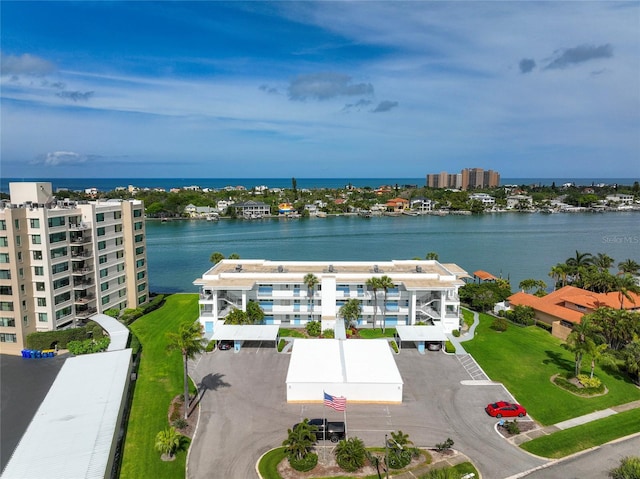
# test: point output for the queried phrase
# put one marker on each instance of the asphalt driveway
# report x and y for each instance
(244, 413)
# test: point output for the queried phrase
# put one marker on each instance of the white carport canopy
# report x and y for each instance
(249, 332)
(421, 333)
(118, 332)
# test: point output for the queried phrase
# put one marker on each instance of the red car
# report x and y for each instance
(505, 409)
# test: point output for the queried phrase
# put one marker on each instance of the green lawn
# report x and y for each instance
(467, 317)
(377, 333)
(579, 438)
(525, 358)
(159, 380)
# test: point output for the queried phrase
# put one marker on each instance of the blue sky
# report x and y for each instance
(319, 89)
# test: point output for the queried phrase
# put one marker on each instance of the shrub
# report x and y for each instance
(88, 346)
(456, 333)
(180, 423)
(305, 464)
(629, 468)
(350, 454)
(394, 346)
(281, 344)
(47, 339)
(444, 446)
(154, 304)
(449, 347)
(328, 333)
(521, 315)
(499, 324)
(211, 345)
(399, 458)
(314, 328)
(512, 427)
(441, 473)
(589, 382)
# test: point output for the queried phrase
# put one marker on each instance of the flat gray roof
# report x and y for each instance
(73, 434)
(248, 332)
(421, 333)
(117, 331)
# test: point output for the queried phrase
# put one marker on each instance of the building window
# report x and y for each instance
(102, 245)
(35, 239)
(25, 320)
(100, 231)
(137, 213)
(99, 217)
(5, 274)
(142, 299)
(4, 241)
(117, 228)
(37, 254)
(19, 257)
(61, 298)
(21, 273)
(104, 286)
(139, 263)
(42, 317)
(3, 225)
(140, 275)
(105, 299)
(104, 272)
(42, 301)
(18, 240)
(119, 268)
(7, 322)
(118, 241)
(63, 312)
(56, 221)
(102, 259)
(34, 223)
(139, 250)
(57, 237)
(39, 286)
(122, 280)
(119, 254)
(59, 252)
(7, 338)
(117, 215)
(4, 257)
(16, 224)
(138, 225)
(59, 268)
(60, 283)
(38, 270)
(141, 287)
(139, 238)
(6, 305)
(6, 290)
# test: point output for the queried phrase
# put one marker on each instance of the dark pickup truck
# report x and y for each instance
(331, 430)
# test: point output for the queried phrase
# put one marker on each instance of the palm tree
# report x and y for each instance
(350, 312)
(577, 263)
(603, 261)
(580, 342)
(374, 284)
(167, 442)
(559, 273)
(300, 440)
(311, 280)
(625, 285)
(350, 454)
(432, 255)
(629, 266)
(189, 341)
(385, 283)
(216, 257)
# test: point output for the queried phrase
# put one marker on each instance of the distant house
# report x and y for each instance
(565, 307)
(252, 209)
(200, 211)
(484, 198)
(312, 209)
(620, 199)
(519, 202)
(222, 205)
(421, 204)
(397, 205)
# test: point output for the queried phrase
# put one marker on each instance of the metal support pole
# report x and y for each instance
(386, 455)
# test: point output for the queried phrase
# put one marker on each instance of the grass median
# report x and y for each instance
(159, 381)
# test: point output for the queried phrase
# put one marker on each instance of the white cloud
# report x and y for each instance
(25, 64)
(57, 158)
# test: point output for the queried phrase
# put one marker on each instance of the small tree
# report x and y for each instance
(216, 257)
(167, 442)
(255, 314)
(629, 468)
(350, 312)
(350, 454)
(300, 440)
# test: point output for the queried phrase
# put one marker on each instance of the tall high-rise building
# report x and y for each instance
(63, 261)
(468, 178)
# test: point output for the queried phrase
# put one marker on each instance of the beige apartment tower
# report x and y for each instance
(467, 179)
(63, 261)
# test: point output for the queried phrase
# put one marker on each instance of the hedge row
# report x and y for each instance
(49, 339)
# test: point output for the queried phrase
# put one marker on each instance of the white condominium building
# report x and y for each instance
(63, 261)
(423, 292)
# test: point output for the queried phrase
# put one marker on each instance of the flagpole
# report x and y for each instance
(324, 429)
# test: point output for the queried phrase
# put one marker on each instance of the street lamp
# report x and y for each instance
(386, 455)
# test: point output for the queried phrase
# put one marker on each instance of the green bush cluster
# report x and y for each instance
(328, 333)
(88, 346)
(520, 314)
(444, 446)
(449, 347)
(211, 345)
(281, 344)
(512, 427)
(314, 328)
(499, 324)
(305, 464)
(589, 382)
(399, 458)
(49, 339)
(456, 333)
(394, 346)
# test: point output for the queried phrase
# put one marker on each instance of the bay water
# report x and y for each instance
(509, 245)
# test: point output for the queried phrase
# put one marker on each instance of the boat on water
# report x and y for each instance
(410, 213)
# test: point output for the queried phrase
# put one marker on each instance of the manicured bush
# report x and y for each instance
(88, 346)
(394, 346)
(48, 339)
(350, 454)
(456, 333)
(444, 446)
(328, 333)
(154, 304)
(629, 468)
(589, 382)
(499, 324)
(305, 464)
(399, 458)
(314, 328)
(180, 423)
(512, 427)
(281, 344)
(449, 347)
(211, 345)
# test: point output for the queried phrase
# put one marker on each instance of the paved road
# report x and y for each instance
(25, 383)
(593, 464)
(244, 411)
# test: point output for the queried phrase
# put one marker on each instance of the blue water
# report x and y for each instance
(512, 245)
(109, 184)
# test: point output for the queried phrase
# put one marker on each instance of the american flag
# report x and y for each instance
(339, 403)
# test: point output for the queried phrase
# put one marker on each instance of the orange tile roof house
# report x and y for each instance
(397, 204)
(566, 306)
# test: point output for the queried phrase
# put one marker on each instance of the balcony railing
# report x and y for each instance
(78, 226)
(80, 239)
(85, 313)
(84, 299)
(81, 271)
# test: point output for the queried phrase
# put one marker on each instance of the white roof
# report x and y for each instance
(421, 333)
(248, 332)
(118, 332)
(342, 361)
(74, 431)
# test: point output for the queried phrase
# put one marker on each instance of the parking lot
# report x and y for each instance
(244, 412)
